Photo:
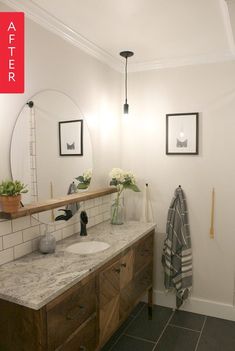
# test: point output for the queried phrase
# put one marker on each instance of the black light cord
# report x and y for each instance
(126, 80)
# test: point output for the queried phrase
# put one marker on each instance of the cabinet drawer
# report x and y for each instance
(85, 340)
(69, 313)
(143, 253)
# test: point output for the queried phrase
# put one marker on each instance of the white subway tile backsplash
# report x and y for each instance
(94, 211)
(6, 256)
(22, 249)
(106, 216)
(20, 224)
(105, 208)
(31, 233)
(5, 227)
(106, 199)
(34, 220)
(98, 219)
(11, 240)
(88, 204)
(35, 244)
(68, 231)
(91, 222)
(21, 236)
(98, 201)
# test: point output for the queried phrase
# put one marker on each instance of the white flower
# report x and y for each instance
(118, 174)
(131, 176)
(87, 175)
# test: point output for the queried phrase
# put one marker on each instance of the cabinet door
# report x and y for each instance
(109, 290)
(109, 283)
(126, 265)
(143, 253)
(132, 292)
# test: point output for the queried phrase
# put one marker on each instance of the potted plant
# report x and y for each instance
(10, 195)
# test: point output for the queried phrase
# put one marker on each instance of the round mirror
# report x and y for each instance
(50, 146)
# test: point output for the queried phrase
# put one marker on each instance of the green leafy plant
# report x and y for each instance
(84, 180)
(12, 188)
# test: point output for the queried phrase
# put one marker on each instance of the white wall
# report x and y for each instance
(52, 63)
(209, 90)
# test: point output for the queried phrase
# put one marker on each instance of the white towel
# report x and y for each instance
(147, 210)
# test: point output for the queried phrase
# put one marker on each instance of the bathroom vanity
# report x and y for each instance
(71, 302)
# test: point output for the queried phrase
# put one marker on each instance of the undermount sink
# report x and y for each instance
(87, 247)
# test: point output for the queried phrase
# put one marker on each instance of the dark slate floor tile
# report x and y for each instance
(126, 343)
(178, 339)
(138, 308)
(150, 329)
(188, 320)
(218, 335)
(117, 334)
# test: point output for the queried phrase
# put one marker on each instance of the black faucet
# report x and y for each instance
(83, 221)
(64, 217)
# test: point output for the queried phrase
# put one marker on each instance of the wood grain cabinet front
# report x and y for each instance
(85, 339)
(122, 284)
(65, 314)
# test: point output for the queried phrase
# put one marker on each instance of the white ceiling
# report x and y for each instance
(160, 32)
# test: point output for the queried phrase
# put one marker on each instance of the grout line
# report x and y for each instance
(132, 320)
(200, 334)
(142, 339)
(168, 322)
(178, 326)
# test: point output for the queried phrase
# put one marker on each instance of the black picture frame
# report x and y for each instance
(71, 138)
(182, 133)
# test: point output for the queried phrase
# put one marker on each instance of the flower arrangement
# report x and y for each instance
(84, 180)
(121, 180)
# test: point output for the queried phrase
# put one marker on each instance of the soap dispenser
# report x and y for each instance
(47, 242)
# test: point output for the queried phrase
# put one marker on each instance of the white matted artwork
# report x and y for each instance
(71, 138)
(182, 133)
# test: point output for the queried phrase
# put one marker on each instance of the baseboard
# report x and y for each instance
(207, 307)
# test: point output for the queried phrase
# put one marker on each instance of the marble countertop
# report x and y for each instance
(36, 279)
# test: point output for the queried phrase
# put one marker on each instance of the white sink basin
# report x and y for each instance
(87, 247)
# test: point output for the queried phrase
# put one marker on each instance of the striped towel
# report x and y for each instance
(177, 253)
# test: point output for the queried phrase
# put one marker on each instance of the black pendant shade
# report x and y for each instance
(126, 54)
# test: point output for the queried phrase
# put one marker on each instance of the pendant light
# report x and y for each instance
(126, 54)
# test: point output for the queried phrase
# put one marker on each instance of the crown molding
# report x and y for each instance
(48, 21)
(180, 62)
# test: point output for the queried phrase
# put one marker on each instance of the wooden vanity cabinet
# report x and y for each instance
(85, 316)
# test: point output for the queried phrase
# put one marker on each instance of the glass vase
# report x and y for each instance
(47, 242)
(117, 211)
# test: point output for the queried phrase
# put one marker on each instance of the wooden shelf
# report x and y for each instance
(55, 203)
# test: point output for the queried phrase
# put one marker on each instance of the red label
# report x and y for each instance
(11, 52)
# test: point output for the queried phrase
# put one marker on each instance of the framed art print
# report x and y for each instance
(71, 138)
(182, 133)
